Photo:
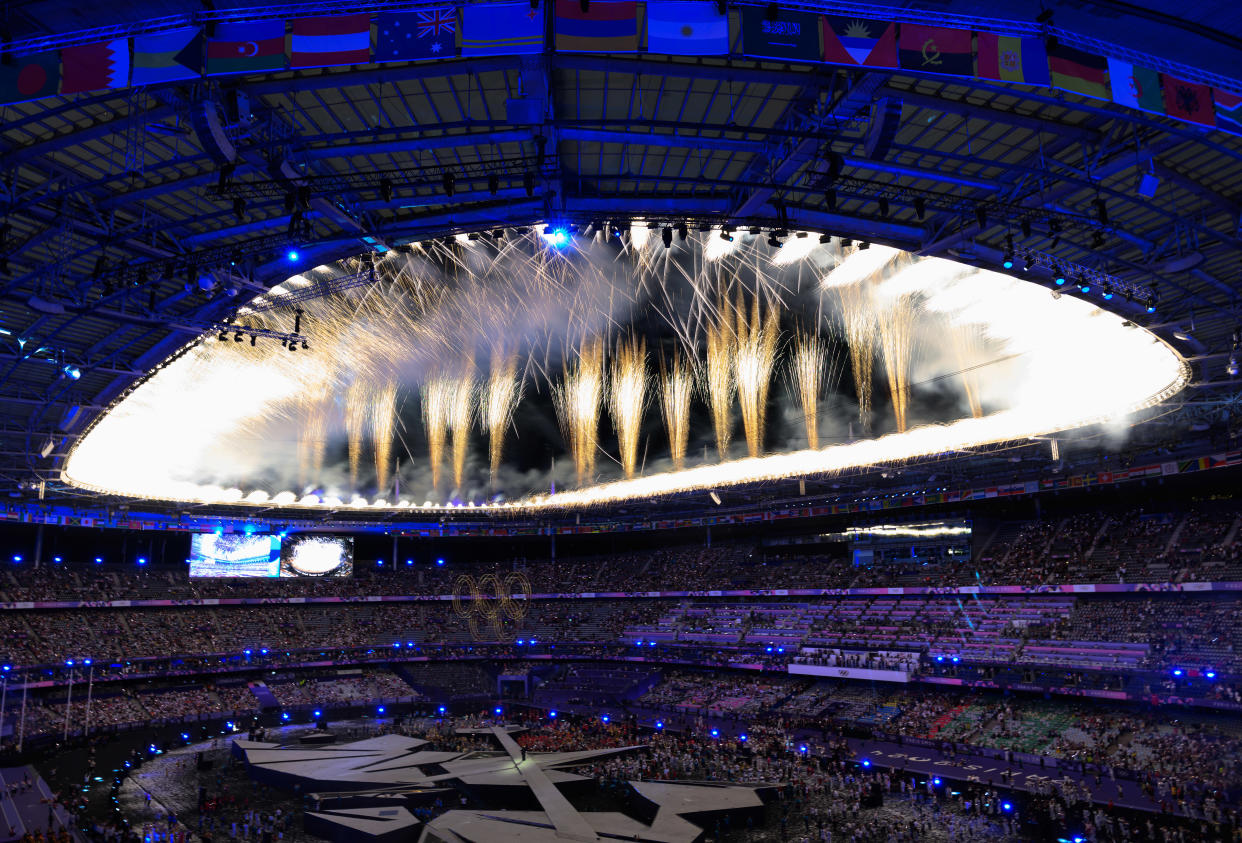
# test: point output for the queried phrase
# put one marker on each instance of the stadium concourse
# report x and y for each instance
(661, 420)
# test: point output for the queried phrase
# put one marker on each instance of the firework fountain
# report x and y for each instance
(383, 426)
(501, 396)
(438, 395)
(676, 390)
(809, 370)
(578, 399)
(755, 355)
(627, 398)
(718, 375)
(459, 416)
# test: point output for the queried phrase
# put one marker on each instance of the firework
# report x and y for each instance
(754, 357)
(968, 348)
(501, 396)
(807, 371)
(459, 415)
(676, 388)
(896, 329)
(357, 414)
(627, 398)
(437, 404)
(718, 374)
(858, 328)
(578, 399)
(383, 425)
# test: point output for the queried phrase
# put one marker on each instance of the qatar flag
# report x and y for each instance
(246, 47)
(94, 67)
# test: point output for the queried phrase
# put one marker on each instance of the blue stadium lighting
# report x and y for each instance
(439, 563)
(317, 713)
(558, 237)
(521, 641)
(498, 710)
(651, 644)
(939, 658)
(780, 649)
(98, 560)
(284, 715)
(263, 651)
(248, 529)
(804, 749)
(1086, 288)
(292, 255)
(715, 733)
(1177, 671)
(1006, 806)
(742, 737)
(396, 645)
(768, 649)
(246, 651)
(551, 715)
(184, 736)
(1107, 295)
(659, 724)
(409, 562)
(1007, 263)
(16, 559)
(56, 559)
(936, 781)
(72, 372)
(1211, 674)
(1151, 308)
(379, 563)
(7, 668)
(219, 530)
(441, 709)
(1059, 280)
(606, 718)
(68, 662)
(228, 724)
(142, 560)
(533, 642)
(866, 762)
(86, 662)
(409, 644)
(956, 659)
(380, 709)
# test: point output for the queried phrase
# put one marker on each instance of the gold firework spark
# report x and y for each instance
(968, 347)
(676, 389)
(718, 374)
(896, 328)
(807, 371)
(460, 413)
(500, 398)
(357, 414)
(754, 357)
(383, 426)
(627, 397)
(858, 326)
(437, 403)
(577, 399)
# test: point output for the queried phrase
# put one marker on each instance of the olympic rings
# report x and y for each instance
(490, 600)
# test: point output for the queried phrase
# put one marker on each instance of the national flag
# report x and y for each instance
(1188, 101)
(30, 77)
(246, 47)
(93, 67)
(607, 26)
(1008, 58)
(692, 28)
(937, 49)
(1228, 111)
(793, 35)
(857, 41)
(329, 41)
(410, 36)
(1071, 69)
(501, 29)
(1135, 86)
(168, 56)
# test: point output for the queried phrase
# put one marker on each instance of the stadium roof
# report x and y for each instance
(117, 202)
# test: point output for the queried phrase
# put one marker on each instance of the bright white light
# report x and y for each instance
(717, 247)
(794, 250)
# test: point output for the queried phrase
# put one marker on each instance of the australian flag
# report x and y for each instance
(411, 36)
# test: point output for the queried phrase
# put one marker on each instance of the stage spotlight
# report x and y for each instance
(830, 199)
(449, 183)
(726, 236)
(825, 238)
(863, 245)
(72, 372)
(493, 184)
(682, 231)
(558, 237)
(1059, 278)
(666, 237)
(773, 241)
(1108, 292)
(846, 242)
(292, 255)
(386, 190)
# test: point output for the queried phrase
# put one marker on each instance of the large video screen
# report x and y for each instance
(317, 556)
(234, 555)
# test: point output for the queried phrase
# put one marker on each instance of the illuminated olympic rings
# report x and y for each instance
(492, 601)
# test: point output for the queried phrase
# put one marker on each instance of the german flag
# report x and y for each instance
(1071, 69)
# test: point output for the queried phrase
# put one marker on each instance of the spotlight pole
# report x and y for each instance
(21, 726)
(69, 699)
(90, 687)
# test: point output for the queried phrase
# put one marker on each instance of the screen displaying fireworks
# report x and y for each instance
(519, 370)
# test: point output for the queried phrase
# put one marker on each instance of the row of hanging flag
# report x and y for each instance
(671, 27)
